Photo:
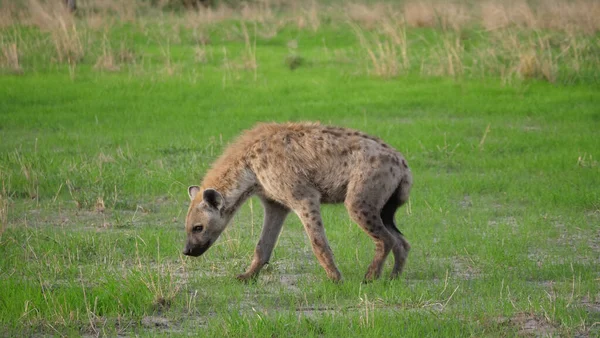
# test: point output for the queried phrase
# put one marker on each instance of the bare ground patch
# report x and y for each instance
(530, 325)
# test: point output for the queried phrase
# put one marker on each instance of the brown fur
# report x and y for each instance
(296, 167)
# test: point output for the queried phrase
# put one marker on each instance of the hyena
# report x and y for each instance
(297, 167)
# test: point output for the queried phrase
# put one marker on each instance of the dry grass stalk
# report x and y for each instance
(3, 214)
(447, 58)
(307, 16)
(107, 61)
(454, 56)
(99, 207)
(3, 207)
(169, 68)
(249, 58)
(200, 55)
(9, 59)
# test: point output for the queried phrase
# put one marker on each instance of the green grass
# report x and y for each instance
(504, 214)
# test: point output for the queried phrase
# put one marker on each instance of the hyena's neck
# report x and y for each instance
(235, 186)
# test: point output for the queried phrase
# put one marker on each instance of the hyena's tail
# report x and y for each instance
(398, 198)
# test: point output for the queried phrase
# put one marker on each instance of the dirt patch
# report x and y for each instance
(591, 304)
(531, 325)
(155, 322)
(316, 312)
(465, 268)
(290, 282)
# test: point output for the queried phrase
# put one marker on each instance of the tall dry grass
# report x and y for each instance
(367, 16)
(9, 56)
(307, 16)
(382, 54)
(516, 39)
(559, 15)
(447, 58)
(67, 38)
(386, 48)
(381, 33)
(447, 16)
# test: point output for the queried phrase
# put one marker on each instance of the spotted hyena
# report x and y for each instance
(297, 167)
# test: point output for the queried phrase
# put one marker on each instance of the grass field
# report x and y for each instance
(108, 115)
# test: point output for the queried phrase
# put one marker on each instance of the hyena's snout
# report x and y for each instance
(196, 249)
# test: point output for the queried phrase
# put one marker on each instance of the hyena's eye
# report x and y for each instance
(198, 228)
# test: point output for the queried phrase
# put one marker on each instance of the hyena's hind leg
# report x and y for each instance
(275, 215)
(401, 247)
(364, 207)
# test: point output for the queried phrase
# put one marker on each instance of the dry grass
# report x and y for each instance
(419, 14)
(517, 13)
(204, 16)
(3, 206)
(531, 58)
(107, 60)
(125, 11)
(66, 37)
(9, 56)
(381, 30)
(559, 15)
(382, 54)
(367, 16)
(447, 58)
(384, 42)
(537, 64)
(448, 16)
(260, 11)
(111, 60)
(9, 14)
(308, 16)
(249, 57)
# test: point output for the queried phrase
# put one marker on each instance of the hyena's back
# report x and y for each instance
(291, 159)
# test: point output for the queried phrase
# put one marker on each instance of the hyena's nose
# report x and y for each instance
(187, 251)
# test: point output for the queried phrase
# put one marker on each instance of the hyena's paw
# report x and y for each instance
(335, 277)
(371, 275)
(247, 277)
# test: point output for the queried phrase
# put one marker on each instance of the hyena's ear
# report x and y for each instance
(213, 198)
(193, 191)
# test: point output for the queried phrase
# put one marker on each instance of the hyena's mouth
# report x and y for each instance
(197, 250)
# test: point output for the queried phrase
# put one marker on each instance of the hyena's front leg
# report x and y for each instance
(308, 211)
(275, 214)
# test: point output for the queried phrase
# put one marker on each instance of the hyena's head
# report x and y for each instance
(204, 222)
